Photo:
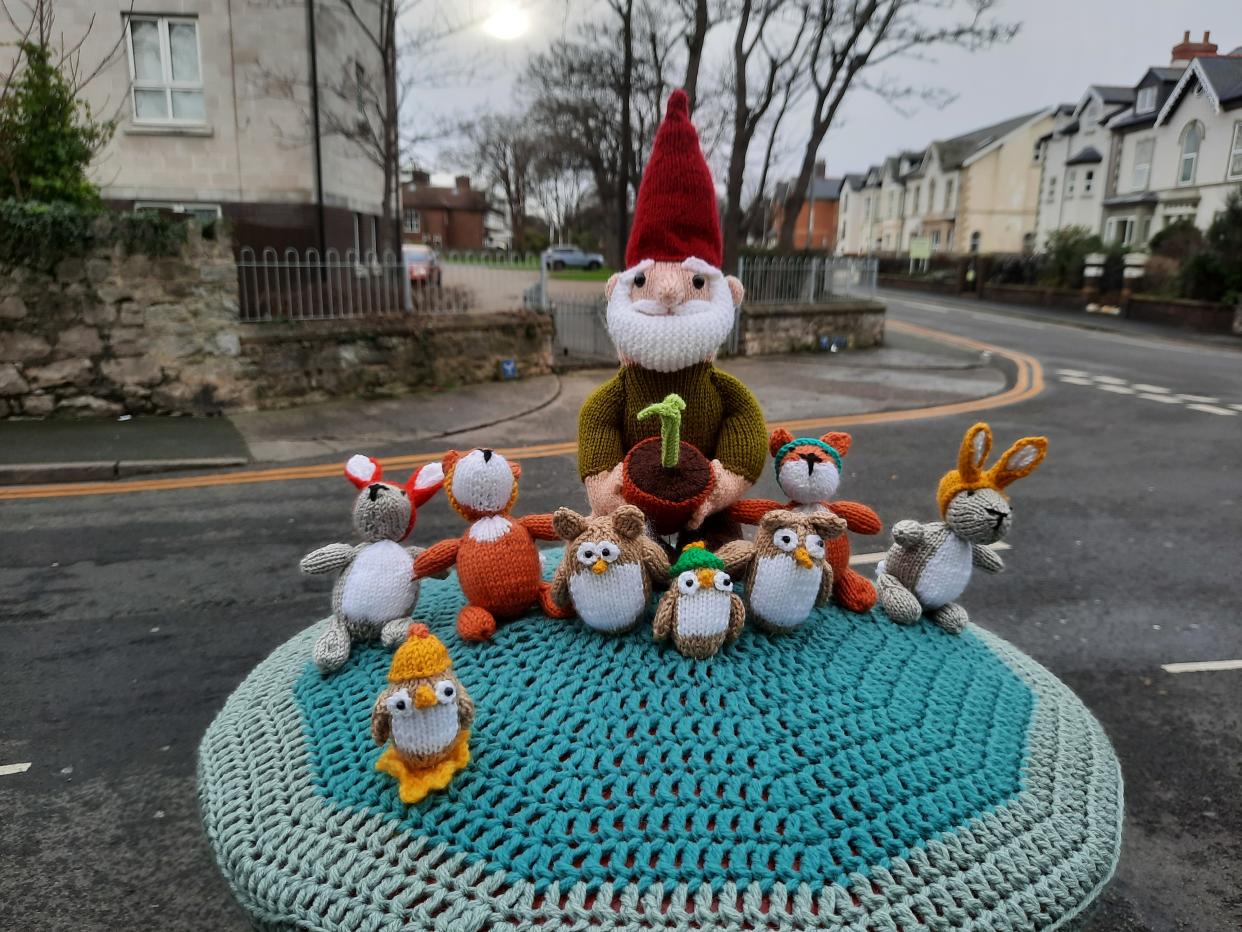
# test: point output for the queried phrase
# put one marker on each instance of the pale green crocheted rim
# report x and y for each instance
(295, 862)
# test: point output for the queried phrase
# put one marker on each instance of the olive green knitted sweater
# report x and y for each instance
(722, 418)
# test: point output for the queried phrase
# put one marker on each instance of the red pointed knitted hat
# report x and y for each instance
(676, 216)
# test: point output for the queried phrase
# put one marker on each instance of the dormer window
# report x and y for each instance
(1146, 101)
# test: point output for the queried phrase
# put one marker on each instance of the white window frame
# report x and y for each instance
(948, 195)
(412, 221)
(1088, 182)
(1145, 102)
(935, 240)
(1193, 157)
(166, 83)
(1051, 195)
(1071, 179)
(1120, 230)
(931, 195)
(1234, 166)
(1140, 175)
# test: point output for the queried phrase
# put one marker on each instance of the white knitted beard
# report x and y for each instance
(805, 487)
(644, 333)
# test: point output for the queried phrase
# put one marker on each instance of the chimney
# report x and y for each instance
(1185, 50)
(463, 183)
(821, 168)
(419, 178)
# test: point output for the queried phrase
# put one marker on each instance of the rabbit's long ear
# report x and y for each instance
(1019, 460)
(362, 470)
(976, 446)
(425, 482)
(779, 438)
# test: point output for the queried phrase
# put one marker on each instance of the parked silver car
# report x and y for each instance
(571, 257)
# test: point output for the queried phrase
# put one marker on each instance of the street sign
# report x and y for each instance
(508, 369)
(920, 247)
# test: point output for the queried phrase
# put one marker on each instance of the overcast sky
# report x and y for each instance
(1063, 46)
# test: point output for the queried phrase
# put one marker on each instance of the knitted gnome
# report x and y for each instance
(668, 313)
(426, 712)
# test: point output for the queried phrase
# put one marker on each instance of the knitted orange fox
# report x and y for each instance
(496, 558)
(808, 471)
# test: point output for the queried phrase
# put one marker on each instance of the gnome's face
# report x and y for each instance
(669, 315)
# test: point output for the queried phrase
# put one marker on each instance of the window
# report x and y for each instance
(935, 239)
(1038, 154)
(931, 195)
(203, 213)
(1051, 194)
(948, 194)
(1088, 181)
(1235, 153)
(1146, 101)
(1071, 177)
(891, 203)
(1119, 230)
(357, 235)
(974, 241)
(166, 80)
(375, 243)
(411, 220)
(1142, 165)
(1192, 136)
(918, 200)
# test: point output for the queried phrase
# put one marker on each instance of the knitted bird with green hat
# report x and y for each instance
(700, 610)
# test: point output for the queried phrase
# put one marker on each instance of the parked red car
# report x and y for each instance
(422, 264)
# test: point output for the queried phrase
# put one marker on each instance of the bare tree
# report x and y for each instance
(765, 35)
(505, 151)
(850, 41)
(697, 15)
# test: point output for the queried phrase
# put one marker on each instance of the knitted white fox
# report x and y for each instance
(376, 591)
(929, 565)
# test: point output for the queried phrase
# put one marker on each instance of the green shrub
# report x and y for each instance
(1065, 256)
(47, 135)
(149, 233)
(40, 235)
(1179, 240)
(1203, 277)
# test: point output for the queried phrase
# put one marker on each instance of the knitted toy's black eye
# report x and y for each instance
(970, 493)
(698, 281)
(401, 705)
(639, 280)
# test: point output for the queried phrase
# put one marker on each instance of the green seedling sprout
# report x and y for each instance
(669, 411)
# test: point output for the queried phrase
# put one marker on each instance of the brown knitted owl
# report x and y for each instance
(608, 567)
(789, 576)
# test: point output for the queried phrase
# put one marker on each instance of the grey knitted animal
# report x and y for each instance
(376, 589)
(929, 565)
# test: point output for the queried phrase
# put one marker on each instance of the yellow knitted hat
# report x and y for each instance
(1018, 461)
(422, 655)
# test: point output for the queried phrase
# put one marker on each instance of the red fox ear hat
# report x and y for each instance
(423, 483)
(783, 444)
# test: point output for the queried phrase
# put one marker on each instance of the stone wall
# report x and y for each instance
(378, 357)
(109, 334)
(1203, 316)
(1068, 299)
(794, 328)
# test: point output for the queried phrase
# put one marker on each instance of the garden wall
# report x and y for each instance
(1180, 312)
(1038, 295)
(911, 283)
(793, 328)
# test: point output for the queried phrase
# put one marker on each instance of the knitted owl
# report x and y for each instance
(808, 471)
(427, 713)
(700, 610)
(929, 565)
(789, 573)
(608, 567)
(376, 589)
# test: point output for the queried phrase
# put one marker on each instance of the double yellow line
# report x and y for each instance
(1028, 383)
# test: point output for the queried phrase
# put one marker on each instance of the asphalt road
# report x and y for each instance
(126, 620)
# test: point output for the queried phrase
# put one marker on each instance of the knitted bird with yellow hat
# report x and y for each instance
(427, 713)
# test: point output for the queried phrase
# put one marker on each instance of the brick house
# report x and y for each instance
(816, 227)
(447, 218)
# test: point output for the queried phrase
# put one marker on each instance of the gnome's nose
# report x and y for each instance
(668, 292)
(487, 456)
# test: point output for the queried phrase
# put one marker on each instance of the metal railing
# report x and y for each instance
(805, 279)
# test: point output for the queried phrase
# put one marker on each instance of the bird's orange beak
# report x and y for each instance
(803, 558)
(424, 697)
(598, 567)
(707, 578)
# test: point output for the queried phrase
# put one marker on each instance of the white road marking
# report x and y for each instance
(1236, 407)
(1165, 399)
(1212, 409)
(1076, 372)
(1075, 380)
(1109, 379)
(1201, 666)
(1201, 399)
(1155, 389)
(8, 770)
(1117, 389)
(864, 559)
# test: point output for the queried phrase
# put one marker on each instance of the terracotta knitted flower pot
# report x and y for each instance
(668, 496)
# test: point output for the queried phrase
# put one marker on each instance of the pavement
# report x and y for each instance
(911, 371)
(129, 611)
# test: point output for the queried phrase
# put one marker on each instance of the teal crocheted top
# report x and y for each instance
(859, 774)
